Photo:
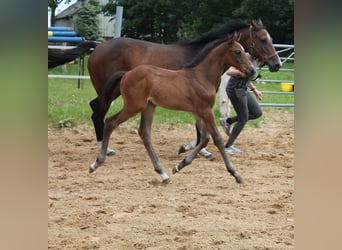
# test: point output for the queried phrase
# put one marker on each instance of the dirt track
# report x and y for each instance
(124, 205)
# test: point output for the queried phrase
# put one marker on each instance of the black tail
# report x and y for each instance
(111, 85)
(61, 57)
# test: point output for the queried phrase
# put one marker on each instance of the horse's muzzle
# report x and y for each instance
(250, 72)
(274, 67)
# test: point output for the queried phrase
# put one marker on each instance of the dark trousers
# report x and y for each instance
(246, 108)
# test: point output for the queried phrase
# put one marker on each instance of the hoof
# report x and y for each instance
(91, 169)
(166, 181)
(239, 179)
(186, 147)
(165, 178)
(181, 150)
(206, 154)
(94, 166)
(175, 169)
(110, 152)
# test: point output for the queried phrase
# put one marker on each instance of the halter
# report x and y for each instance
(264, 59)
(252, 41)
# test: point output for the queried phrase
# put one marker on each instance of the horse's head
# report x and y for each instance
(237, 57)
(261, 46)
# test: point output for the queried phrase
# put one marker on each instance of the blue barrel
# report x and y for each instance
(63, 33)
(68, 39)
(59, 28)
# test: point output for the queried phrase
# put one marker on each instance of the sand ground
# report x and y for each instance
(124, 205)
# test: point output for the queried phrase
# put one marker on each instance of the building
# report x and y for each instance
(67, 18)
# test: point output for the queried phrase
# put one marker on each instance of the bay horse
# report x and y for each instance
(123, 54)
(191, 89)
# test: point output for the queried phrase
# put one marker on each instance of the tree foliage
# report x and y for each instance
(53, 4)
(168, 21)
(277, 16)
(87, 20)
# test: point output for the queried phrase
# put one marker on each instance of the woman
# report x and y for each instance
(245, 105)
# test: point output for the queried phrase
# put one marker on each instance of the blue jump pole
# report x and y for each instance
(63, 33)
(65, 39)
(60, 28)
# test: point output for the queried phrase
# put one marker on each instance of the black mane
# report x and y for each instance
(229, 28)
(204, 52)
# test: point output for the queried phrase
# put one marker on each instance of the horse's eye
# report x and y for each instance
(238, 52)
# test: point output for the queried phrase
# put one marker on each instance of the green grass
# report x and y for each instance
(68, 105)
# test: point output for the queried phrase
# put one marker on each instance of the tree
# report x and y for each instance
(205, 15)
(53, 4)
(153, 20)
(87, 20)
(276, 15)
(167, 21)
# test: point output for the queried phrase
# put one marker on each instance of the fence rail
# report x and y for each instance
(281, 49)
(69, 76)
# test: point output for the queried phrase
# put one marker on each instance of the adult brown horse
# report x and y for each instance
(191, 89)
(123, 54)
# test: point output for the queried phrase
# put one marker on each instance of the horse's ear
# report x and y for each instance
(230, 40)
(257, 23)
(238, 37)
(233, 37)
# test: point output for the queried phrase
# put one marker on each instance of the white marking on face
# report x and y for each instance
(242, 48)
(268, 36)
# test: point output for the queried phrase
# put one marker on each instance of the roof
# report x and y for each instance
(70, 11)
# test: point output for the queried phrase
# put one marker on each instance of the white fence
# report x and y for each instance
(282, 49)
(286, 53)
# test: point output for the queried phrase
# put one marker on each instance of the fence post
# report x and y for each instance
(118, 21)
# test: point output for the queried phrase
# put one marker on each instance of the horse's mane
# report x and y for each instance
(229, 28)
(213, 39)
(204, 52)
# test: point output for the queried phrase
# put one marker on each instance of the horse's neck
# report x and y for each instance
(213, 66)
(245, 40)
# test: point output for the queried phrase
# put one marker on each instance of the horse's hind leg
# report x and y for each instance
(109, 126)
(145, 135)
(99, 112)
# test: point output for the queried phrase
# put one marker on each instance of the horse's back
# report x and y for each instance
(110, 53)
(109, 57)
(162, 86)
(124, 54)
(122, 48)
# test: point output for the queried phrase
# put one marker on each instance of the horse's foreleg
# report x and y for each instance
(145, 135)
(203, 141)
(191, 145)
(218, 141)
(97, 117)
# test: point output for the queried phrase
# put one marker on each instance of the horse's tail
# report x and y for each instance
(111, 84)
(61, 57)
